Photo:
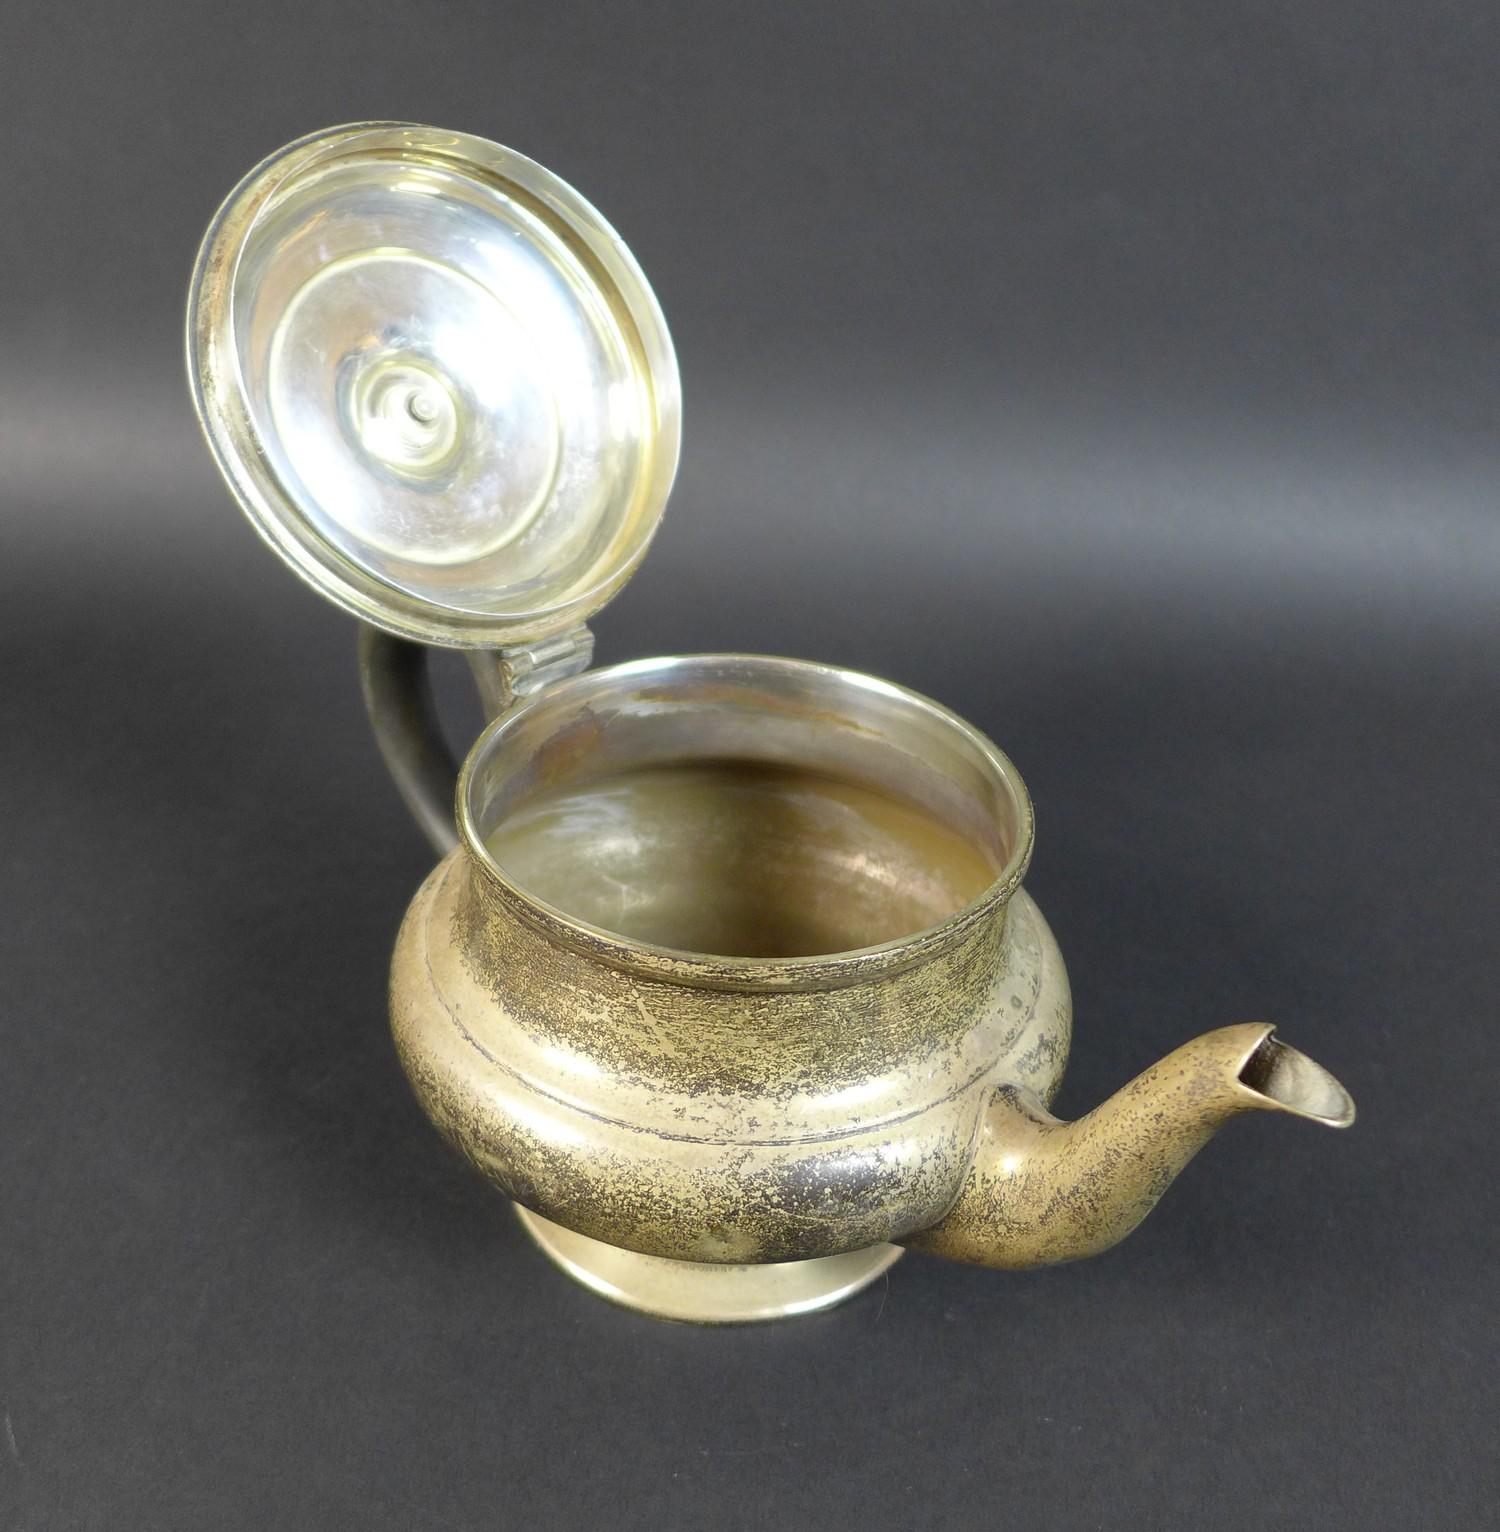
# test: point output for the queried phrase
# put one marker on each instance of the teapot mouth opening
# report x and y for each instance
(1288, 1081)
(742, 819)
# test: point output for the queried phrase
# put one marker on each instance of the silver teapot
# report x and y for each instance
(727, 976)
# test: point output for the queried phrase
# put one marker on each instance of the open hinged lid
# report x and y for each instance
(437, 382)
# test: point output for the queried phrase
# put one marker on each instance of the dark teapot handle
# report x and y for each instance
(398, 697)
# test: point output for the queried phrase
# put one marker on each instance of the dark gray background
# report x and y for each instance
(1124, 377)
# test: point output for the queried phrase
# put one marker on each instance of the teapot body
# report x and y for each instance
(729, 1118)
(745, 1130)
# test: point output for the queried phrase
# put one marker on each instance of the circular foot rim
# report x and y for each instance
(701, 1293)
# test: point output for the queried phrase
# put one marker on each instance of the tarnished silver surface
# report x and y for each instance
(713, 1106)
(657, 1105)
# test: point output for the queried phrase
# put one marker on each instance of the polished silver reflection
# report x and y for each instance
(437, 381)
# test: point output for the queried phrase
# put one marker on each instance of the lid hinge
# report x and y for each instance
(504, 676)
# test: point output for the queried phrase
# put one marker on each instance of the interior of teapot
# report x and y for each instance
(740, 858)
(744, 807)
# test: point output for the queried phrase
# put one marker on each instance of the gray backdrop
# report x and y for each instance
(1123, 376)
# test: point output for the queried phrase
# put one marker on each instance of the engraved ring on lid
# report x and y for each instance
(436, 381)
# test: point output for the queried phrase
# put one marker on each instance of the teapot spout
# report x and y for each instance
(1041, 1191)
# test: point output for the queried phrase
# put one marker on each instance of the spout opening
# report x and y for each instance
(1292, 1082)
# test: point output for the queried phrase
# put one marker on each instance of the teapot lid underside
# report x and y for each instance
(436, 381)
